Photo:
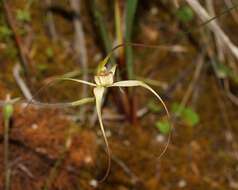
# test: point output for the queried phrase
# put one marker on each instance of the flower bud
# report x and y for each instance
(7, 111)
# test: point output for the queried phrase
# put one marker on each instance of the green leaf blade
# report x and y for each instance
(191, 117)
(163, 126)
(185, 14)
(187, 114)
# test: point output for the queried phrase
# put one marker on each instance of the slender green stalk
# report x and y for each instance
(55, 169)
(130, 15)
(7, 114)
(6, 155)
(118, 27)
(104, 32)
(120, 38)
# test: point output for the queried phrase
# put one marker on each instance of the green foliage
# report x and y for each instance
(187, 114)
(5, 32)
(222, 71)
(130, 15)
(10, 51)
(42, 67)
(7, 111)
(235, 78)
(185, 14)
(191, 117)
(104, 34)
(154, 107)
(22, 31)
(49, 52)
(163, 126)
(23, 15)
(103, 30)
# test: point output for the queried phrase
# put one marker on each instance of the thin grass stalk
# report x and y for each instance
(7, 114)
(103, 31)
(18, 41)
(130, 15)
(122, 100)
(6, 154)
(55, 170)
(105, 37)
(118, 26)
(50, 22)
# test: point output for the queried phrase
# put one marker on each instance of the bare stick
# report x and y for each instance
(197, 73)
(80, 45)
(233, 98)
(22, 85)
(219, 46)
(6, 147)
(234, 14)
(213, 26)
(50, 22)
(125, 168)
(22, 54)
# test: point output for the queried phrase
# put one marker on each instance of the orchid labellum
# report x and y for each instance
(104, 79)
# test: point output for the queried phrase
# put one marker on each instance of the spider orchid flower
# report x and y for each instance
(103, 80)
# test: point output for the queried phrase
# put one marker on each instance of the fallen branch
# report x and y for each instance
(233, 98)
(22, 85)
(80, 45)
(219, 46)
(21, 50)
(50, 22)
(213, 26)
(234, 14)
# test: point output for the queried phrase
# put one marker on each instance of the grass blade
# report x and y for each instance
(130, 15)
(7, 114)
(104, 32)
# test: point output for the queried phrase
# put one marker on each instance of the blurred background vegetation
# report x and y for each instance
(186, 50)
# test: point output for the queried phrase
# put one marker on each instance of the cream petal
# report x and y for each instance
(98, 93)
(131, 83)
(77, 80)
(63, 105)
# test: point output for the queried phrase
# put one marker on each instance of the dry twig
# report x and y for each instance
(234, 14)
(22, 85)
(219, 46)
(197, 73)
(80, 45)
(21, 49)
(50, 22)
(213, 26)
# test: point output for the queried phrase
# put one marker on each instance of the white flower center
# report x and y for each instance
(104, 78)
